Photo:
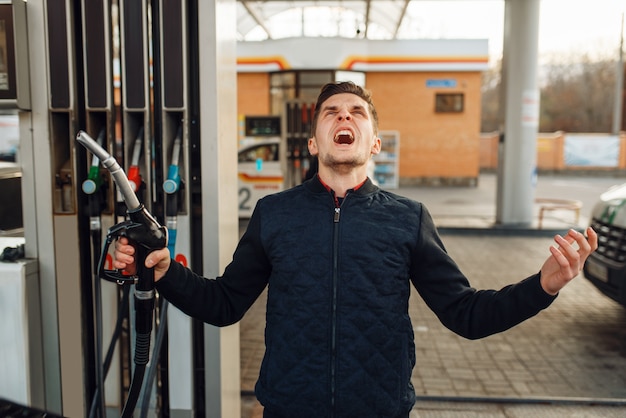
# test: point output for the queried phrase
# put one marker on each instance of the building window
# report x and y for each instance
(449, 102)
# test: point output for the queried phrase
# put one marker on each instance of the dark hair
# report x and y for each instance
(330, 89)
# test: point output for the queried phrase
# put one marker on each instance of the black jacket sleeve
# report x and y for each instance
(224, 300)
(466, 311)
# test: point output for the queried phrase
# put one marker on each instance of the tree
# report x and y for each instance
(577, 95)
(490, 102)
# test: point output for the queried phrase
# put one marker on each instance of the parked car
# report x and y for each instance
(606, 268)
(259, 174)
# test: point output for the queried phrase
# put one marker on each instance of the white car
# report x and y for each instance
(259, 172)
(606, 267)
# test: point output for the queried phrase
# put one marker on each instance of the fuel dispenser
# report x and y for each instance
(73, 332)
(298, 119)
(147, 123)
(141, 146)
(99, 192)
(152, 113)
(172, 105)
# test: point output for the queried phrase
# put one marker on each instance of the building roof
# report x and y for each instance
(367, 55)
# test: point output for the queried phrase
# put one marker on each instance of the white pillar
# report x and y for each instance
(518, 158)
(220, 226)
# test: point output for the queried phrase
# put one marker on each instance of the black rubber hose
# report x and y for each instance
(145, 399)
(135, 389)
(142, 355)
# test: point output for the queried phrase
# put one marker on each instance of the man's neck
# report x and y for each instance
(341, 183)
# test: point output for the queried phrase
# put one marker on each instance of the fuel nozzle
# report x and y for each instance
(144, 230)
(172, 183)
(92, 187)
(94, 180)
(171, 186)
(141, 229)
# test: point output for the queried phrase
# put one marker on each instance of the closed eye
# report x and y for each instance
(359, 110)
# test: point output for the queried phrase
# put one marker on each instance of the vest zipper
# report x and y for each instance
(333, 339)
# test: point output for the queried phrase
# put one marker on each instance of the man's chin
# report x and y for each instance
(343, 163)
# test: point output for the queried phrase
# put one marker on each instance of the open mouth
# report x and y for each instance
(344, 137)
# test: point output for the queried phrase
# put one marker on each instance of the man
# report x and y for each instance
(338, 255)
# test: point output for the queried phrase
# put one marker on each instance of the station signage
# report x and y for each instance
(439, 83)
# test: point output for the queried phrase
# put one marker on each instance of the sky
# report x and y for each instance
(565, 26)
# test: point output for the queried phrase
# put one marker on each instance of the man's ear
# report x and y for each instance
(312, 144)
(376, 146)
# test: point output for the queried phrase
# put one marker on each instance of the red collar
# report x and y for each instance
(331, 190)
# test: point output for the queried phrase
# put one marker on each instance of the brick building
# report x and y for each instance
(426, 90)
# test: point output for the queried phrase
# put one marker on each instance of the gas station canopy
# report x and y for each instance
(371, 19)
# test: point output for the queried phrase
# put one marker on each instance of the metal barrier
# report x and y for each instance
(547, 204)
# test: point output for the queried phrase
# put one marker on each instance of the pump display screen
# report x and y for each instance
(262, 126)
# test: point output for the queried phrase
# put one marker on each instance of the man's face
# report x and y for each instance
(344, 136)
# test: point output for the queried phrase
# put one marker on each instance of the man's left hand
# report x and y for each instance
(567, 259)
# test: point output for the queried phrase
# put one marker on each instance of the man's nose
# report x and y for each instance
(344, 115)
